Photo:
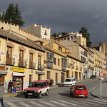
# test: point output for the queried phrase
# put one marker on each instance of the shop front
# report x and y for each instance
(3, 72)
(17, 78)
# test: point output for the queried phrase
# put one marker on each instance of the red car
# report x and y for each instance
(79, 90)
(37, 88)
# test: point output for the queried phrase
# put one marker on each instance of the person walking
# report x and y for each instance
(10, 85)
(1, 94)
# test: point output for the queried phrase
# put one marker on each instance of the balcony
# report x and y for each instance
(10, 61)
(22, 63)
(49, 65)
(40, 67)
(32, 65)
(64, 68)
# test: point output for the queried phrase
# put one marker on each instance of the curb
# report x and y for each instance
(10, 95)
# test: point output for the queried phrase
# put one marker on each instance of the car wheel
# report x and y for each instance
(39, 95)
(26, 96)
(47, 93)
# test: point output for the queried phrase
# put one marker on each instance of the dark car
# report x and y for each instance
(79, 90)
(92, 76)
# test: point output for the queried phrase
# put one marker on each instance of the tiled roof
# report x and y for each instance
(20, 40)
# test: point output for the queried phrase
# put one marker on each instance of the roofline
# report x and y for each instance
(19, 42)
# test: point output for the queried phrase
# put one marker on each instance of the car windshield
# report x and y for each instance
(80, 88)
(67, 80)
(37, 84)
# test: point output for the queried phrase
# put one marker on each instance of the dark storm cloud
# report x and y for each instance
(65, 15)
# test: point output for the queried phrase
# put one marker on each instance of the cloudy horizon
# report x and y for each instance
(65, 15)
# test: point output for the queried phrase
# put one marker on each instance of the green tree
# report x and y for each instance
(1, 15)
(18, 18)
(9, 14)
(86, 34)
(13, 15)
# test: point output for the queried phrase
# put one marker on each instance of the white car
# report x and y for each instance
(69, 81)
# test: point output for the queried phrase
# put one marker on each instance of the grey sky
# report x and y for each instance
(65, 15)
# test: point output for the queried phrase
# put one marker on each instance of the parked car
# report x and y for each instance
(69, 81)
(37, 88)
(92, 76)
(79, 90)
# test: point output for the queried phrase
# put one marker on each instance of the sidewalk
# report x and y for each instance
(100, 91)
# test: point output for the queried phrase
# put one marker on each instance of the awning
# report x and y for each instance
(40, 72)
(3, 72)
(18, 74)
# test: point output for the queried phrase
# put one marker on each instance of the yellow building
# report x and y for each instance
(21, 60)
(90, 62)
(99, 62)
(56, 61)
(74, 68)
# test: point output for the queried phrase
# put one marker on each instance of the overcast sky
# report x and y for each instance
(65, 15)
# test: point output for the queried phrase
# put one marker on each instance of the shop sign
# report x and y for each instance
(40, 72)
(18, 69)
(3, 70)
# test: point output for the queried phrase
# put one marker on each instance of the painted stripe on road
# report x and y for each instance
(24, 104)
(11, 104)
(58, 103)
(102, 100)
(36, 104)
(47, 103)
(67, 102)
(96, 101)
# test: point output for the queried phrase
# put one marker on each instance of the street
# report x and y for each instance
(58, 96)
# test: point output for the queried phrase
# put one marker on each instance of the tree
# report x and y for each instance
(18, 19)
(1, 15)
(85, 33)
(13, 15)
(9, 14)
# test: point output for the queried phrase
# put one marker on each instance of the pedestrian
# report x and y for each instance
(1, 94)
(10, 85)
(51, 82)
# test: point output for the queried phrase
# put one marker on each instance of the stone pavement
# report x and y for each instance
(100, 90)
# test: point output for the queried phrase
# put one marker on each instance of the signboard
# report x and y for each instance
(18, 69)
(101, 74)
(3, 70)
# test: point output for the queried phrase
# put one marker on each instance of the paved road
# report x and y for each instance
(58, 97)
(72, 102)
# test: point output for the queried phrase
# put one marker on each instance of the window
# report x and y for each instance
(60, 48)
(48, 74)
(45, 32)
(55, 61)
(31, 60)
(9, 55)
(21, 56)
(39, 60)
(50, 57)
(64, 62)
(58, 62)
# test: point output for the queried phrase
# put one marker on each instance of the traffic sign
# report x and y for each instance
(101, 74)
